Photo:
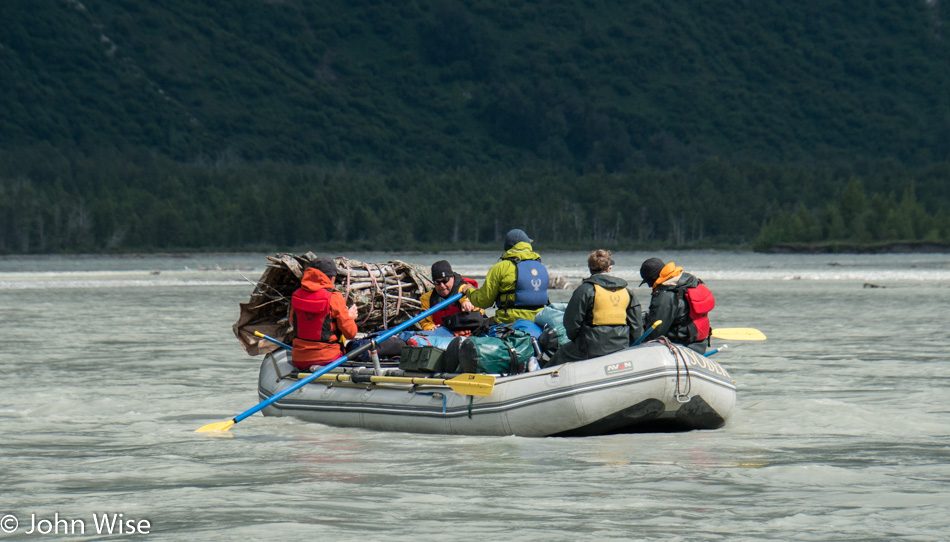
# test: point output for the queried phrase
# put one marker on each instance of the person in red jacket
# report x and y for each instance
(319, 316)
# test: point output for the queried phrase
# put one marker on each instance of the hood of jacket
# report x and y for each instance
(606, 281)
(314, 280)
(683, 279)
(522, 251)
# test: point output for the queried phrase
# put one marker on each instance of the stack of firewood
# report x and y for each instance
(385, 295)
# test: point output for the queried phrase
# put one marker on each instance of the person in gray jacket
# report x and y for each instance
(675, 293)
(603, 315)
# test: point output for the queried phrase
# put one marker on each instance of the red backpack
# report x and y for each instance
(701, 301)
(311, 315)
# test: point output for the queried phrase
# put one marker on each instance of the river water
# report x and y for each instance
(840, 432)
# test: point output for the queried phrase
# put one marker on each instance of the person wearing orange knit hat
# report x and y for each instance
(671, 304)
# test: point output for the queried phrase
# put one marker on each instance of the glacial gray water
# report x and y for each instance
(109, 364)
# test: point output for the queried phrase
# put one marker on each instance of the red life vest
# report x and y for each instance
(700, 301)
(312, 321)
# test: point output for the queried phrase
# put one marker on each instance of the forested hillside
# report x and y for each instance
(132, 125)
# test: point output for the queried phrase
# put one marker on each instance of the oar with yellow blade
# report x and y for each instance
(738, 334)
(464, 384)
(355, 353)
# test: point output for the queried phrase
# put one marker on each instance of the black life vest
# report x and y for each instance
(435, 299)
(531, 286)
(312, 321)
(700, 301)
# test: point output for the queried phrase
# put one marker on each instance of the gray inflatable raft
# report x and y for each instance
(651, 387)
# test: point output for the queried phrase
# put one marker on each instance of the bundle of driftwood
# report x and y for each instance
(385, 294)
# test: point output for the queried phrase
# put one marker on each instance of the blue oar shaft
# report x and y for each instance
(273, 340)
(711, 352)
(355, 353)
(646, 333)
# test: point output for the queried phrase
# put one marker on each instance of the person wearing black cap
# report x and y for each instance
(681, 301)
(447, 284)
(603, 315)
(319, 316)
(517, 285)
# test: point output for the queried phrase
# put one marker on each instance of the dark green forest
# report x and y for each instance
(281, 124)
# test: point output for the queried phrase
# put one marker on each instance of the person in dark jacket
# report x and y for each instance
(668, 304)
(603, 315)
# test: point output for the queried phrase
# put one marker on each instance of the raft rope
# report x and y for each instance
(382, 291)
(347, 264)
(681, 396)
(369, 312)
(377, 290)
(398, 293)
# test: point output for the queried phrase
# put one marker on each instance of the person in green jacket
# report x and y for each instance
(603, 315)
(517, 285)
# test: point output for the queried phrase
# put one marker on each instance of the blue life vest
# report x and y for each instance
(531, 286)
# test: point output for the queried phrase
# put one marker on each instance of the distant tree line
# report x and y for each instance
(57, 201)
(857, 219)
(216, 125)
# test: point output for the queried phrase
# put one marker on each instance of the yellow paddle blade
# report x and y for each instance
(465, 384)
(738, 334)
(217, 426)
(472, 384)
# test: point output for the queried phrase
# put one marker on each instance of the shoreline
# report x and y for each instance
(830, 247)
(897, 247)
